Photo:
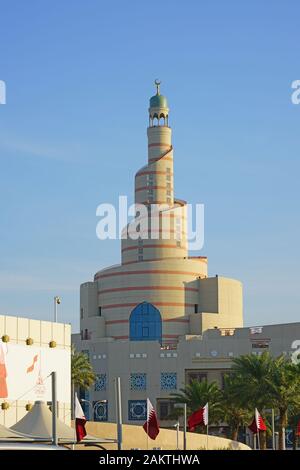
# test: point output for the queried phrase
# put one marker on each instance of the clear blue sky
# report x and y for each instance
(73, 132)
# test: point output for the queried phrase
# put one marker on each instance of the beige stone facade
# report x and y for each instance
(165, 369)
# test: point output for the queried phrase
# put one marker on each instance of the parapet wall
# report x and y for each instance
(134, 437)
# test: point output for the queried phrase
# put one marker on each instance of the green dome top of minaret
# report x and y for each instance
(158, 100)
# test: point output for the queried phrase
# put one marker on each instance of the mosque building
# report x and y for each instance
(158, 320)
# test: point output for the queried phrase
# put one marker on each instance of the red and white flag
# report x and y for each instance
(258, 423)
(198, 418)
(80, 421)
(151, 426)
(298, 429)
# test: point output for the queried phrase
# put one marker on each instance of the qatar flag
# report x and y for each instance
(298, 429)
(257, 424)
(80, 421)
(151, 426)
(199, 417)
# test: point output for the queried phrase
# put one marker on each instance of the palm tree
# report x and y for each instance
(284, 384)
(268, 382)
(234, 414)
(294, 419)
(82, 374)
(254, 391)
(197, 394)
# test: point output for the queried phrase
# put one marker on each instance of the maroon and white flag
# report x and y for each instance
(151, 426)
(298, 428)
(198, 418)
(258, 423)
(80, 421)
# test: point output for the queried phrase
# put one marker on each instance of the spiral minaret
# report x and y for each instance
(157, 320)
(165, 233)
(155, 267)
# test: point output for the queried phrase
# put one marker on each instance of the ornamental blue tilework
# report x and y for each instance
(168, 381)
(138, 381)
(100, 382)
(100, 411)
(137, 410)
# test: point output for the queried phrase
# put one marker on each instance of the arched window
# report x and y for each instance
(155, 120)
(162, 120)
(145, 323)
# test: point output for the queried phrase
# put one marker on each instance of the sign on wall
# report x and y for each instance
(25, 370)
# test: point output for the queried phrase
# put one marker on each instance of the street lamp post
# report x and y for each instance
(57, 301)
(183, 405)
(177, 434)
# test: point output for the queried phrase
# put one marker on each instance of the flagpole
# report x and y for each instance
(207, 427)
(257, 421)
(207, 436)
(147, 437)
(74, 417)
(273, 429)
(119, 421)
(147, 423)
(54, 409)
(184, 430)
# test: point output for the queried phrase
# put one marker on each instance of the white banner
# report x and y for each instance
(24, 371)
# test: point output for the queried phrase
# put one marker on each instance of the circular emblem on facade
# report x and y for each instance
(100, 410)
(137, 409)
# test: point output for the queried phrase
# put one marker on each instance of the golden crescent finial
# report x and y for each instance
(157, 83)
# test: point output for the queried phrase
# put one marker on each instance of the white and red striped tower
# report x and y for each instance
(165, 236)
(156, 267)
